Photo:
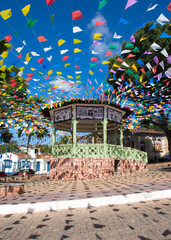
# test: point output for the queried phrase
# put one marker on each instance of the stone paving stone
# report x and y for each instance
(125, 222)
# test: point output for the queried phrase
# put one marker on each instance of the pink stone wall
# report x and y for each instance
(88, 168)
(11, 190)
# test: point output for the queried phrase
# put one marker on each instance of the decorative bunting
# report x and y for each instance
(26, 9)
(42, 39)
(77, 15)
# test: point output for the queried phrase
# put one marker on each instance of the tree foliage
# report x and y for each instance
(142, 79)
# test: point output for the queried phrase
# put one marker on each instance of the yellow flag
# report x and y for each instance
(61, 41)
(105, 62)
(3, 68)
(143, 38)
(91, 72)
(77, 41)
(76, 50)
(1, 62)
(97, 36)
(56, 86)
(141, 78)
(59, 73)
(27, 57)
(70, 77)
(67, 64)
(26, 9)
(4, 54)
(115, 65)
(78, 82)
(6, 14)
(8, 45)
(78, 77)
(21, 68)
(33, 69)
(134, 67)
(50, 72)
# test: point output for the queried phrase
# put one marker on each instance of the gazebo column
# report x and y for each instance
(53, 138)
(74, 136)
(105, 136)
(121, 136)
(115, 136)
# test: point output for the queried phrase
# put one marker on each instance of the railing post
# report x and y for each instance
(53, 138)
(121, 136)
(115, 136)
(74, 136)
(105, 136)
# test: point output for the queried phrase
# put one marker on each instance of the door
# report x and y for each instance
(48, 166)
(38, 166)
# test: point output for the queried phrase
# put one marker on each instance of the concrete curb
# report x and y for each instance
(83, 203)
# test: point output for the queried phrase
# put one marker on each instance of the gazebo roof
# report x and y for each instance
(58, 105)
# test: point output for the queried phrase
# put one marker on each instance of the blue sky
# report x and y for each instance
(62, 29)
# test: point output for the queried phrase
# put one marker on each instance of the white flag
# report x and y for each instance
(93, 52)
(19, 49)
(116, 36)
(155, 46)
(151, 8)
(49, 58)
(76, 29)
(35, 54)
(164, 52)
(162, 19)
(47, 49)
(64, 51)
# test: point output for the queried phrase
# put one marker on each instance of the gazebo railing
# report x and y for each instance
(98, 150)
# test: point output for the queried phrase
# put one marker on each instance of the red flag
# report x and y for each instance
(155, 69)
(93, 59)
(65, 58)
(30, 74)
(27, 79)
(98, 23)
(40, 60)
(42, 39)
(49, 2)
(131, 55)
(142, 70)
(169, 7)
(8, 38)
(119, 59)
(77, 67)
(108, 53)
(77, 15)
(20, 56)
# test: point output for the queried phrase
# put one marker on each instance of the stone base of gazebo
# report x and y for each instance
(92, 168)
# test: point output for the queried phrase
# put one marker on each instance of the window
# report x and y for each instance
(142, 145)
(36, 151)
(157, 144)
(8, 163)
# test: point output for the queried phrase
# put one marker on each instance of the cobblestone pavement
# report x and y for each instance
(144, 221)
(43, 190)
(33, 186)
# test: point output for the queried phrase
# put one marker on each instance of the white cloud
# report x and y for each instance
(65, 84)
(107, 36)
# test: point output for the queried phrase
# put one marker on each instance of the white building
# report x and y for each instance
(9, 163)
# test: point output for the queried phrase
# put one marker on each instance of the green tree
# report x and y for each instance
(142, 79)
(6, 136)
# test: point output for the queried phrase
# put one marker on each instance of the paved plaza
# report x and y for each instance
(144, 220)
(140, 220)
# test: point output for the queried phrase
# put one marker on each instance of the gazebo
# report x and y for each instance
(96, 160)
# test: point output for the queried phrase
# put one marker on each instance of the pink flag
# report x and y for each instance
(130, 3)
